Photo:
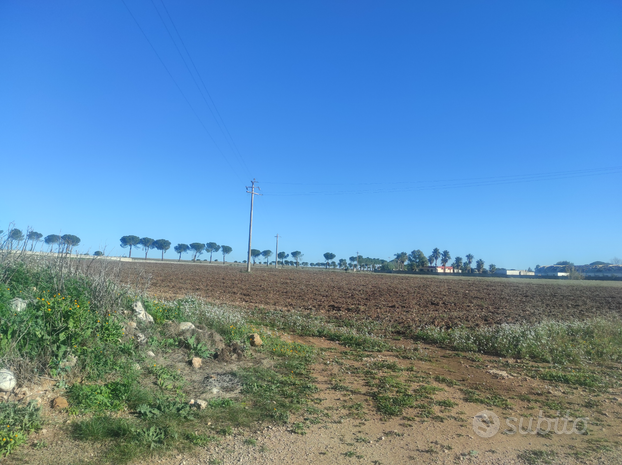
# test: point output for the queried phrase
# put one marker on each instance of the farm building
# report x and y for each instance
(504, 272)
(442, 269)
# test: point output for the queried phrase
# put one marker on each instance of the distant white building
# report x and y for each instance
(442, 269)
(504, 272)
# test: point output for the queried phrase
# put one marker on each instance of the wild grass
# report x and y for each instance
(73, 330)
(592, 340)
(352, 334)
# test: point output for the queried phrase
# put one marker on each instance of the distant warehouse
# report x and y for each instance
(504, 272)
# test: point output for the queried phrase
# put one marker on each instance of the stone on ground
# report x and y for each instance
(60, 402)
(196, 362)
(185, 326)
(17, 304)
(140, 312)
(7, 380)
(256, 340)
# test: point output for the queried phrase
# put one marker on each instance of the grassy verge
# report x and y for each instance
(353, 334)
(593, 340)
(73, 329)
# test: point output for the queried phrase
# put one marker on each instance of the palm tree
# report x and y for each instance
(445, 257)
(480, 265)
(431, 259)
(211, 247)
(469, 261)
(181, 248)
(267, 254)
(226, 250)
(401, 258)
(146, 243)
(162, 245)
(457, 264)
(436, 254)
(129, 241)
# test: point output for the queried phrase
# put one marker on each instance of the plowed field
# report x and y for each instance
(401, 299)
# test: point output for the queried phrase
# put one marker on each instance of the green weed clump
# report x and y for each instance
(592, 340)
(352, 334)
(16, 422)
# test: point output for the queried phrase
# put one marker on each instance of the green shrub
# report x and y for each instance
(16, 422)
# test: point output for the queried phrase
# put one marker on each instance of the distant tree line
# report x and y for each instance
(15, 239)
(197, 248)
(417, 261)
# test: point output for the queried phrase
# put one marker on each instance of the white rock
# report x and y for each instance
(140, 312)
(150, 354)
(17, 304)
(186, 326)
(69, 362)
(500, 374)
(7, 380)
(201, 403)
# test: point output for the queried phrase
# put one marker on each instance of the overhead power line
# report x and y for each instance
(462, 183)
(219, 119)
(181, 91)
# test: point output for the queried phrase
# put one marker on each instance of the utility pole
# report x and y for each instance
(276, 260)
(250, 228)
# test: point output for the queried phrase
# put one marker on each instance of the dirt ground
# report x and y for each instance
(343, 425)
(399, 299)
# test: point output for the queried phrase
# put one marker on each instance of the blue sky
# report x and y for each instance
(491, 128)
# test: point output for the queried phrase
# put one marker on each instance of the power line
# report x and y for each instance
(510, 176)
(461, 183)
(179, 88)
(229, 139)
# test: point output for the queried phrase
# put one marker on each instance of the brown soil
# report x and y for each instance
(346, 428)
(399, 299)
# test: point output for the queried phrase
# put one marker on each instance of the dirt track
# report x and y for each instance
(401, 299)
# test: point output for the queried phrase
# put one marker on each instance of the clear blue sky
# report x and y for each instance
(492, 128)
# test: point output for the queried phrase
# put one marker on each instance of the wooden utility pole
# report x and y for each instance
(276, 260)
(250, 228)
